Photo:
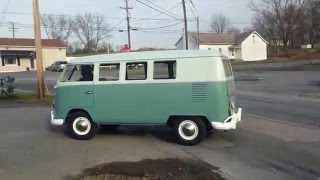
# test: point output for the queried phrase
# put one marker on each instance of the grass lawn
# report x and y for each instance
(295, 55)
(26, 98)
(292, 55)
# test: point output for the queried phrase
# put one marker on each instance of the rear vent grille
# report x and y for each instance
(199, 92)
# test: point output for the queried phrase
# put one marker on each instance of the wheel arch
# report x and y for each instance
(72, 111)
(172, 118)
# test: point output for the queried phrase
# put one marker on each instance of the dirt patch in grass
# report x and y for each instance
(26, 98)
(151, 169)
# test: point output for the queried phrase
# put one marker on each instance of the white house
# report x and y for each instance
(247, 46)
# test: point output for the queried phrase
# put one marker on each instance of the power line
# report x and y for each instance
(194, 7)
(158, 10)
(192, 12)
(158, 13)
(163, 9)
(74, 16)
(5, 11)
(162, 27)
(178, 32)
(117, 25)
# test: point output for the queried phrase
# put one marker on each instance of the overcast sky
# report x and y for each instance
(236, 10)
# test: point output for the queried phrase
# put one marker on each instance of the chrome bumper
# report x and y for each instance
(229, 123)
(56, 122)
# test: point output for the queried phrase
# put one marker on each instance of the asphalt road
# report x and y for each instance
(279, 137)
(259, 149)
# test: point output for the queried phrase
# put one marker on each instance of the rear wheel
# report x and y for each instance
(190, 131)
(81, 127)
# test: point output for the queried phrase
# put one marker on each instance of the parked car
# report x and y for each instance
(48, 68)
(58, 66)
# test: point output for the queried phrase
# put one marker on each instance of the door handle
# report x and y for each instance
(89, 92)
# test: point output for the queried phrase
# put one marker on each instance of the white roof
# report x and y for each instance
(148, 55)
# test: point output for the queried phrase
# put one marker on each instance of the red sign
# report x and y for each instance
(125, 49)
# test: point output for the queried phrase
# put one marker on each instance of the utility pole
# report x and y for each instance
(185, 23)
(13, 29)
(37, 35)
(198, 33)
(128, 21)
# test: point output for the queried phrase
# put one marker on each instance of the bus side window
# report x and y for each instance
(136, 71)
(109, 72)
(164, 70)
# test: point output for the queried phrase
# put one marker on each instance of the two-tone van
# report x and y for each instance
(191, 91)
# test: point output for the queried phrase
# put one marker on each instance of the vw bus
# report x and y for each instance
(191, 91)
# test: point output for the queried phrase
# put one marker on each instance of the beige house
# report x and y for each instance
(247, 46)
(15, 53)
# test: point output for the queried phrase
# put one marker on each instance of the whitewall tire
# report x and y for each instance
(190, 131)
(81, 127)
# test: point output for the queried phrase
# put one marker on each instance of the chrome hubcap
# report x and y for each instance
(81, 126)
(188, 130)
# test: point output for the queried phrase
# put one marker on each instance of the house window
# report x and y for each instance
(109, 72)
(136, 71)
(164, 70)
(10, 61)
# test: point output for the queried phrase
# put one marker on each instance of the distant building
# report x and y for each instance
(248, 46)
(15, 53)
(306, 46)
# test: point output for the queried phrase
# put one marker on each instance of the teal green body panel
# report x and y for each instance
(155, 103)
(146, 103)
(73, 97)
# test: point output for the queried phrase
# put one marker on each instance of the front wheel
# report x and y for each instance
(81, 127)
(190, 131)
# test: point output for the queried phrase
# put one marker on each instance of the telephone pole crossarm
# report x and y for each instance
(13, 29)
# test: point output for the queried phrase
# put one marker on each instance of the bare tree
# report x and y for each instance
(312, 21)
(57, 27)
(220, 24)
(267, 26)
(247, 29)
(106, 47)
(90, 30)
(233, 30)
(285, 13)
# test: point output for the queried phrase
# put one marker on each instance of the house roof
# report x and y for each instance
(30, 42)
(242, 36)
(214, 38)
